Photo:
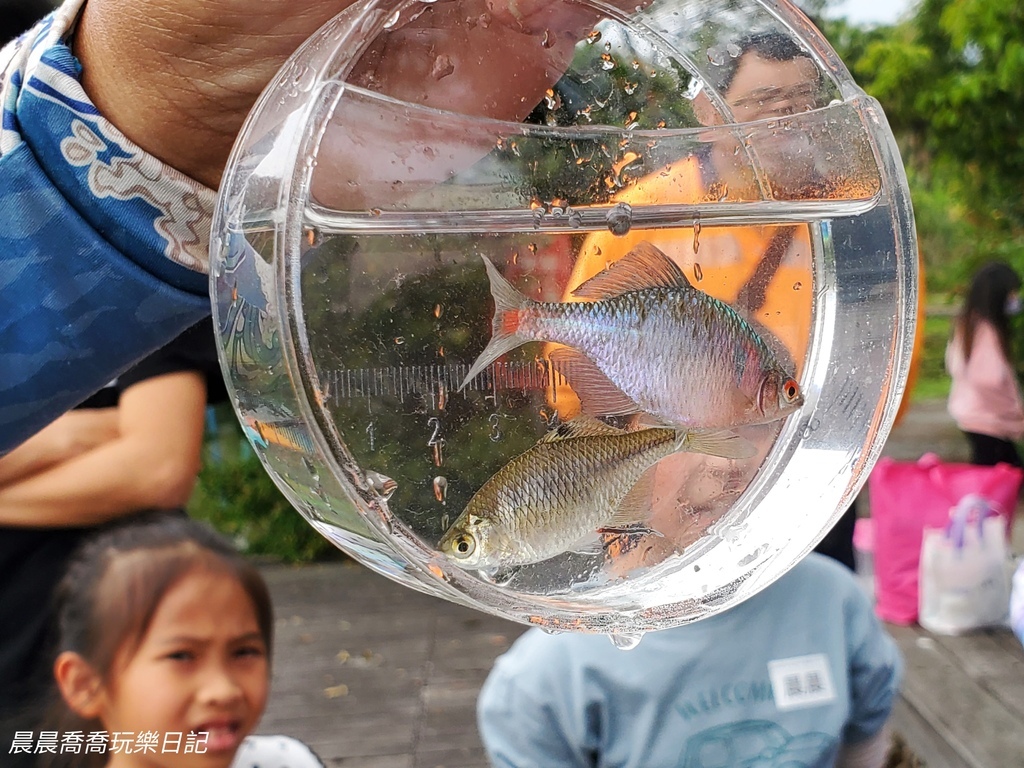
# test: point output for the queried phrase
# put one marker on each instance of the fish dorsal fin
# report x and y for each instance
(643, 267)
(581, 426)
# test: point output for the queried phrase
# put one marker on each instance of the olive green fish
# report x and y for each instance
(648, 341)
(583, 477)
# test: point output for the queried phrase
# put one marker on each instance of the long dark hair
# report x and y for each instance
(113, 587)
(986, 301)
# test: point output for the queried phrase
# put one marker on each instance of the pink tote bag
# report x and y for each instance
(907, 497)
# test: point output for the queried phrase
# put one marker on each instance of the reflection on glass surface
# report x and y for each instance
(561, 344)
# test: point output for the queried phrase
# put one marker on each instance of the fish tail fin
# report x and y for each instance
(726, 445)
(508, 304)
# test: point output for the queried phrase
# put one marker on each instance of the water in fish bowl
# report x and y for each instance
(609, 356)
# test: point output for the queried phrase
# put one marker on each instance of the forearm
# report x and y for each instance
(122, 240)
(70, 435)
(146, 66)
(116, 479)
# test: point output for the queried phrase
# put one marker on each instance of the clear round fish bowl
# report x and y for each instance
(591, 315)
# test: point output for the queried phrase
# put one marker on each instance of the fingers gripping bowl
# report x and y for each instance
(588, 316)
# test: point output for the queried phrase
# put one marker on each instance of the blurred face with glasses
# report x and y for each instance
(769, 89)
(764, 87)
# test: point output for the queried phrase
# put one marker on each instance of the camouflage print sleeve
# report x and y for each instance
(103, 249)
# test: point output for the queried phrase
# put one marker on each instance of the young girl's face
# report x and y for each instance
(201, 668)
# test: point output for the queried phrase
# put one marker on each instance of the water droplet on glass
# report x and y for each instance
(550, 631)
(716, 57)
(443, 67)
(607, 62)
(575, 218)
(698, 273)
(733, 50)
(437, 310)
(626, 641)
(549, 98)
(636, 64)
(532, 248)
(620, 219)
(392, 20)
(440, 488)
(696, 236)
(797, 286)
(630, 88)
(382, 484)
(547, 41)
(400, 340)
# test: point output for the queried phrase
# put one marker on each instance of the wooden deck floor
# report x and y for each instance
(962, 704)
(963, 698)
(374, 675)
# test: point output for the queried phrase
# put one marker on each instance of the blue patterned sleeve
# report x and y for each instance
(103, 249)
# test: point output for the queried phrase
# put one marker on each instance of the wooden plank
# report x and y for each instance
(404, 669)
(363, 738)
(996, 668)
(923, 740)
(975, 724)
(452, 757)
(1006, 640)
(374, 761)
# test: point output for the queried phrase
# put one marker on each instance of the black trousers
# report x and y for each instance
(987, 451)
(838, 543)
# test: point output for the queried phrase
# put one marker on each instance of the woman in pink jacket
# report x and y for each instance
(985, 399)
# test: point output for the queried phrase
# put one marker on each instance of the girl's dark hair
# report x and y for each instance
(986, 300)
(114, 585)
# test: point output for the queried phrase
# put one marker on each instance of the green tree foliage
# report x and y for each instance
(235, 495)
(951, 80)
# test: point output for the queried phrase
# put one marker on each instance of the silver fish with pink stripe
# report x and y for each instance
(646, 341)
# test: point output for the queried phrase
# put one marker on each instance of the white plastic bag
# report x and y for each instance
(964, 580)
(1017, 601)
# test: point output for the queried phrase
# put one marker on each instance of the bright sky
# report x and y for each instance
(869, 11)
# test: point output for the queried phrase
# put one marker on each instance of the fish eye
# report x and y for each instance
(791, 389)
(463, 546)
